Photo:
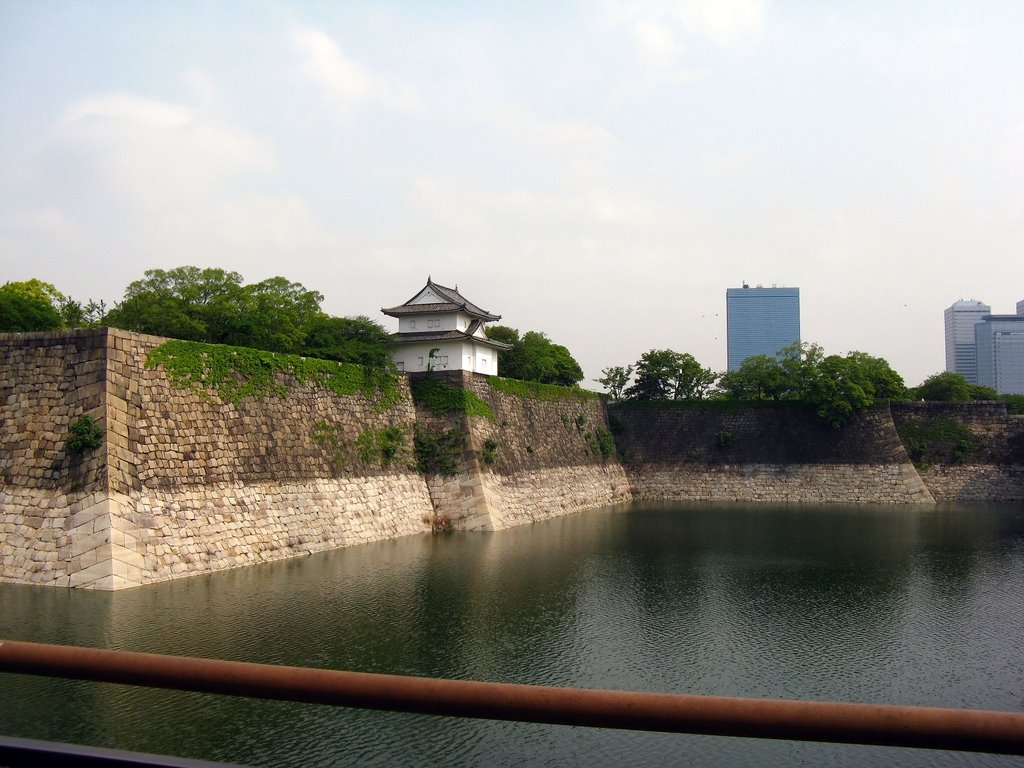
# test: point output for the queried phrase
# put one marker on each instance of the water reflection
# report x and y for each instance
(888, 604)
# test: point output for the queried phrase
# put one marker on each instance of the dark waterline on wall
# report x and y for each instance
(900, 605)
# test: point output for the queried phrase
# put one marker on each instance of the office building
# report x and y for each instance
(760, 321)
(999, 344)
(960, 350)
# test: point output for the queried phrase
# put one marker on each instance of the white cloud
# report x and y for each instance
(665, 33)
(343, 82)
(150, 153)
(142, 183)
(724, 22)
(580, 146)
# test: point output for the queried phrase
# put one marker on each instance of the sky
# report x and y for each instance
(600, 171)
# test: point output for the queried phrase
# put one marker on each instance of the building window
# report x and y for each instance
(419, 361)
(412, 323)
(433, 323)
(401, 365)
(442, 360)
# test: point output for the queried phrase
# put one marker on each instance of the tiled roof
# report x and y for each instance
(419, 309)
(419, 338)
(456, 301)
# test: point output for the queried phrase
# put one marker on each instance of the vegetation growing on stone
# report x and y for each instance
(438, 452)
(601, 441)
(85, 435)
(237, 373)
(381, 446)
(938, 441)
(490, 451)
(534, 390)
(441, 398)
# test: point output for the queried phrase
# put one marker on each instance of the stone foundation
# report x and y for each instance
(797, 483)
(187, 483)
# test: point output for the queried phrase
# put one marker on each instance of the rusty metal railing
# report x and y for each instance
(875, 724)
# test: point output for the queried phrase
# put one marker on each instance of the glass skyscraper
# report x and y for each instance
(999, 344)
(761, 321)
(961, 355)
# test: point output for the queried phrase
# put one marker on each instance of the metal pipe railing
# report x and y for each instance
(876, 724)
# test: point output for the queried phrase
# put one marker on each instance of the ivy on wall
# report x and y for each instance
(937, 441)
(441, 398)
(537, 391)
(438, 452)
(237, 373)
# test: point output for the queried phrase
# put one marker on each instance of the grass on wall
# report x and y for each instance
(441, 399)
(237, 373)
(535, 391)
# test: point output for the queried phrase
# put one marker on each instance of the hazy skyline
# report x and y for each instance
(602, 171)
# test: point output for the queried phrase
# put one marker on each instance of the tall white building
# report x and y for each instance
(960, 345)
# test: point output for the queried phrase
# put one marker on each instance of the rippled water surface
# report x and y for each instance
(870, 604)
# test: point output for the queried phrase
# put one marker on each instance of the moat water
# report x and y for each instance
(895, 605)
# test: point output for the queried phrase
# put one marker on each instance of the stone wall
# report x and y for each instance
(778, 452)
(965, 451)
(185, 482)
(544, 461)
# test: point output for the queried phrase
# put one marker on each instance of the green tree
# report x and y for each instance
(184, 303)
(20, 311)
(349, 340)
(759, 377)
(534, 357)
(886, 383)
(276, 314)
(27, 306)
(615, 380)
(799, 362)
(212, 305)
(946, 386)
(663, 374)
(839, 388)
(512, 363)
(979, 392)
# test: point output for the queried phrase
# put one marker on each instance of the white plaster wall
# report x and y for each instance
(415, 357)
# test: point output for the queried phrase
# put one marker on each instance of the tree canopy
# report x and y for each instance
(534, 357)
(663, 374)
(615, 380)
(215, 306)
(212, 305)
(949, 386)
(349, 340)
(25, 310)
(34, 305)
(837, 386)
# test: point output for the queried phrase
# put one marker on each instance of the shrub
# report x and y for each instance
(490, 452)
(85, 435)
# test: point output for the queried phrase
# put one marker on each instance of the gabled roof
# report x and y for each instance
(448, 300)
(425, 336)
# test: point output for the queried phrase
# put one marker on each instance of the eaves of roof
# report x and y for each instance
(430, 336)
